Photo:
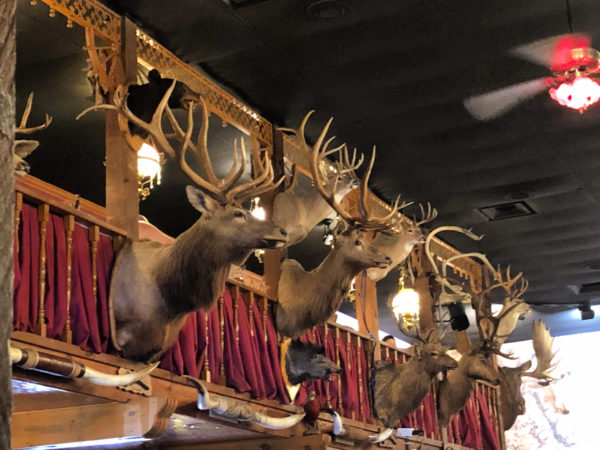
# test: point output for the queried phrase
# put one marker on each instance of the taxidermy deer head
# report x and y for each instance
(399, 245)
(308, 299)
(24, 147)
(400, 389)
(308, 362)
(154, 286)
(299, 214)
(513, 403)
(478, 363)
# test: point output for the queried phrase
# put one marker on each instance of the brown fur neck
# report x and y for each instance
(194, 272)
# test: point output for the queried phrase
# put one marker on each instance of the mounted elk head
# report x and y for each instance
(478, 363)
(305, 361)
(23, 147)
(154, 286)
(399, 245)
(400, 389)
(513, 403)
(308, 299)
(299, 214)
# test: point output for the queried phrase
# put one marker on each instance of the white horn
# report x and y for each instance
(338, 425)
(242, 412)
(104, 379)
(57, 365)
(380, 437)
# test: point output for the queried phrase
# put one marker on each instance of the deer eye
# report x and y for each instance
(435, 354)
(357, 243)
(239, 214)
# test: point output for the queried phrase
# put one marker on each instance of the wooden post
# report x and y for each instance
(7, 206)
(18, 208)
(69, 222)
(121, 161)
(93, 237)
(43, 216)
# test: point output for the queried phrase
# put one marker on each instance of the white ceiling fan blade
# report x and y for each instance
(495, 103)
(552, 50)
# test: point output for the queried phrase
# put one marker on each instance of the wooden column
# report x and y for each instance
(7, 206)
(366, 306)
(121, 161)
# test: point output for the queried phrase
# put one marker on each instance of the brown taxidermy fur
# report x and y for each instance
(155, 285)
(400, 389)
(455, 389)
(308, 299)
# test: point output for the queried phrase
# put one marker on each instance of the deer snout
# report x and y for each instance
(521, 408)
(386, 262)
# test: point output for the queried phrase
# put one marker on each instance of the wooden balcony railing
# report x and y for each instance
(63, 257)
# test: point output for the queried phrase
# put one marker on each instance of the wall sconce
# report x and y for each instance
(405, 304)
(148, 166)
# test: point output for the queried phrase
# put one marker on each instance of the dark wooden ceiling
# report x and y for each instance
(394, 74)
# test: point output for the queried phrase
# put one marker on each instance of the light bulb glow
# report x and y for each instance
(256, 209)
(579, 94)
(148, 161)
(406, 301)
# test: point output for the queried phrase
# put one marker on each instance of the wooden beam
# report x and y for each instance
(122, 206)
(85, 423)
(7, 205)
(315, 442)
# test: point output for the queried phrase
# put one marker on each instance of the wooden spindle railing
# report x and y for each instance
(69, 224)
(93, 237)
(43, 216)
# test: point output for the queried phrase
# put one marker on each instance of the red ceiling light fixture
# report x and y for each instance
(578, 94)
(573, 63)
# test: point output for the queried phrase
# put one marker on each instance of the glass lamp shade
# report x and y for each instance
(405, 302)
(578, 94)
(148, 161)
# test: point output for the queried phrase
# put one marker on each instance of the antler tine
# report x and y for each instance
(431, 214)
(22, 128)
(261, 183)
(347, 165)
(366, 219)
(438, 230)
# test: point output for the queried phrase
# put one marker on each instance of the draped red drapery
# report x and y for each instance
(250, 363)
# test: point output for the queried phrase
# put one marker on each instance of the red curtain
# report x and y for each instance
(88, 314)
(250, 364)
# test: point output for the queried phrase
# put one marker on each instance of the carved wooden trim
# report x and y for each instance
(327, 385)
(251, 312)
(222, 340)
(69, 223)
(18, 208)
(89, 13)
(93, 237)
(161, 418)
(206, 366)
(43, 216)
(340, 404)
(361, 413)
(236, 321)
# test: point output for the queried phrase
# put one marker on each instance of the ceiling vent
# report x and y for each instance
(507, 211)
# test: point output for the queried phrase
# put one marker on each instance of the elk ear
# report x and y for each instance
(200, 200)
(154, 77)
(525, 366)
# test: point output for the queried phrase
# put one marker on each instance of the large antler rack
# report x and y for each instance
(542, 345)
(494, 329)
(224, 190)
(318, 153)
(450, 292)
